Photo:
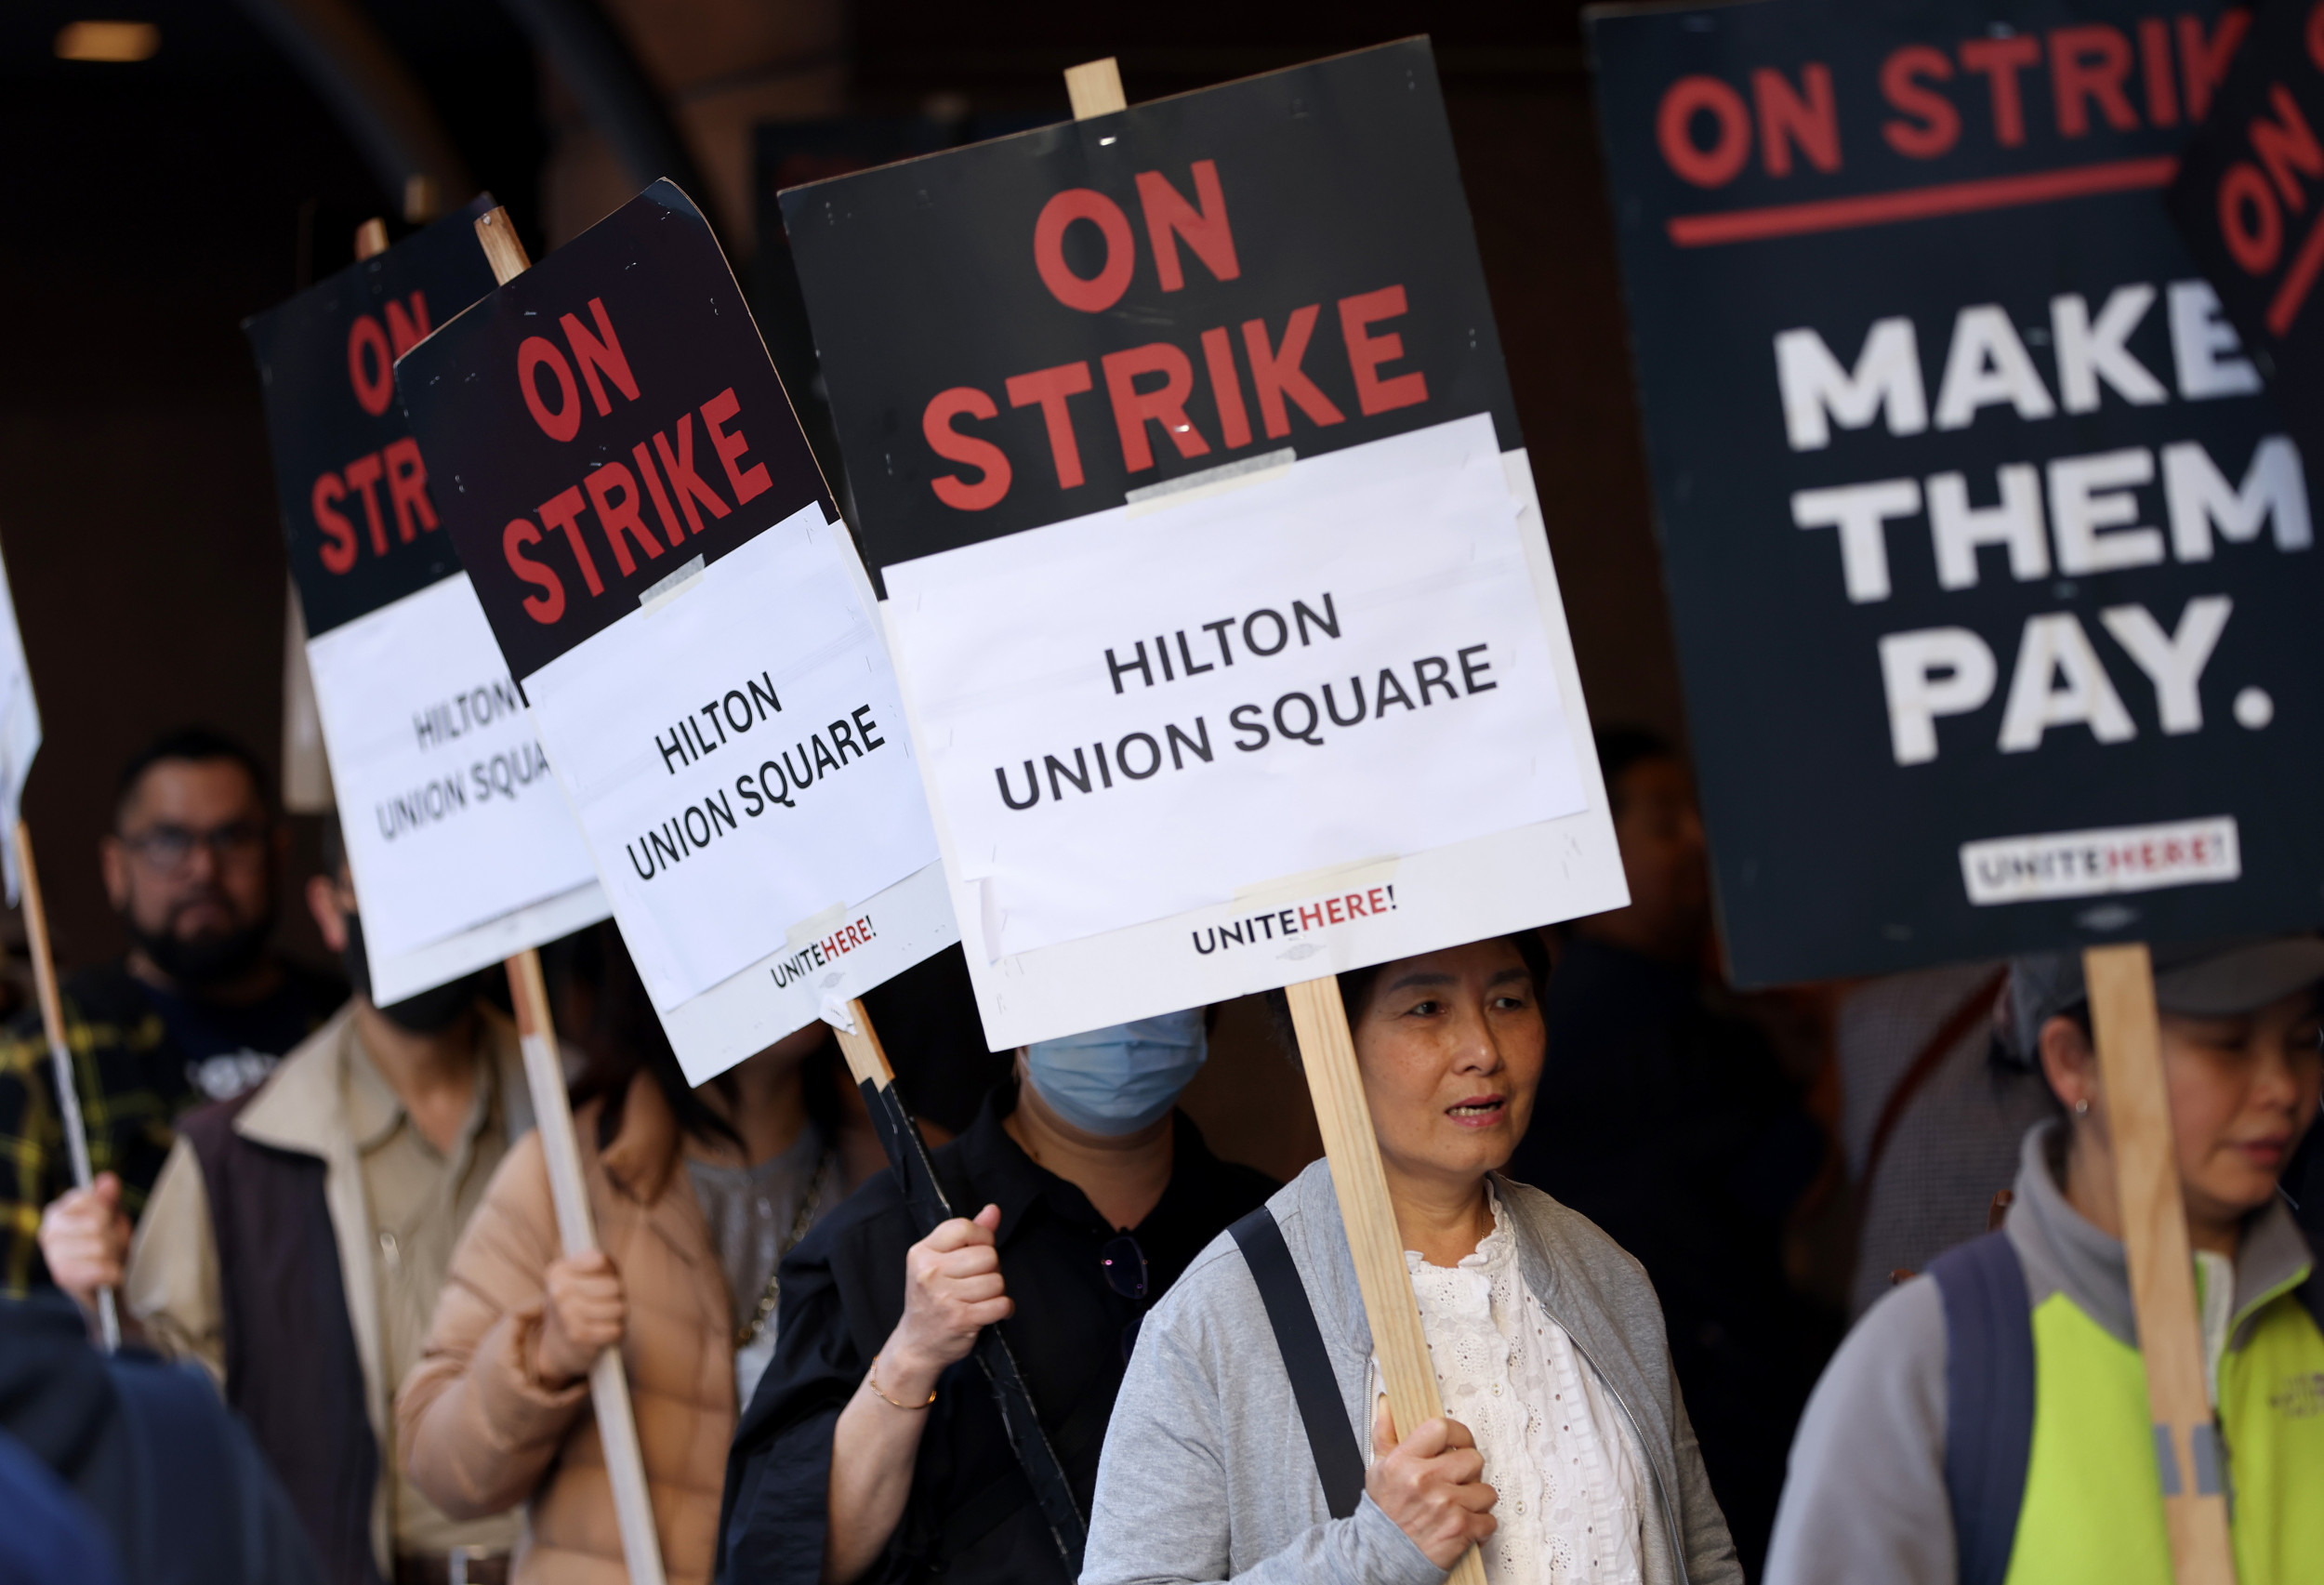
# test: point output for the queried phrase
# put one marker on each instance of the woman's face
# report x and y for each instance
(1450, 1048)
(2243, 1093)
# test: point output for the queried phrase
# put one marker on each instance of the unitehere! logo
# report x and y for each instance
(2299, 1396)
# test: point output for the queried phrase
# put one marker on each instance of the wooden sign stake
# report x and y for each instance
(552, 1115)
(503, 250)
(608, 1384)
(867, 1058)
(60, 1055)
(2121, 981)
(1328, 1052)
(1095, 88)
(1358, 1181)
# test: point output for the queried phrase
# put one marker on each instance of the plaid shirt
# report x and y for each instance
(132, 1083)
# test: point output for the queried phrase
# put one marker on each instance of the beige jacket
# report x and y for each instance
(480, 1429)
(172, 1284)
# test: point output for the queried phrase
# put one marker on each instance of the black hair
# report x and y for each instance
(2005, 1061)
(2078, 1016)
(629, 1038)
(195, 744)
(1620, 747)
(1357, 985)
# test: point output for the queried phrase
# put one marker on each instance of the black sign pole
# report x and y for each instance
(915, 1175)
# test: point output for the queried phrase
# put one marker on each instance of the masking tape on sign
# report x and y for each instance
(815, 927)
(1309, 883)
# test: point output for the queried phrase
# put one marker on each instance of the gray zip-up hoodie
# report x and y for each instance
(1865, 1498)
(1206, 1473)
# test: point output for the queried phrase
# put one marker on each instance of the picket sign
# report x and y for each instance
(2274, 84)
(914, 929)
(455, 872)
(2240, 200)
(307, 787)
(60, 1055)
(552, 1111)
(2122, 982)
(1327, 1052)
(1944, 838)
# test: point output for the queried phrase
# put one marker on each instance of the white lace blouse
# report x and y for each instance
(1555, 1442)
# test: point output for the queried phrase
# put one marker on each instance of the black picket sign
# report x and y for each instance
(1281, 262)
(1991, 561)
(2250, 202)
(359, 514)
(601, 421)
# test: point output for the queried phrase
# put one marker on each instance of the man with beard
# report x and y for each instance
(200, 1009)
(296, 1239)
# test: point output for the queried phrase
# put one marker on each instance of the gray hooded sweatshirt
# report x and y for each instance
(1865, 1498)
(1206, 1473)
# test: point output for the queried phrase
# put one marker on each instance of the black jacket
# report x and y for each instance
(970, 1517)
(173, 1479)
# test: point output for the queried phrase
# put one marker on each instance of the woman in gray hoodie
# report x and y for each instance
(1564, 1452)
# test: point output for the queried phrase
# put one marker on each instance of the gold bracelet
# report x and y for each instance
(873, 1375)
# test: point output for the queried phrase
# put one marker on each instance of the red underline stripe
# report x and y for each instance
(1920, 203)
(2297, 281)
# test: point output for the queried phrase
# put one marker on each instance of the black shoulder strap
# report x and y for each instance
(1339, 1461)
(1989, 1399)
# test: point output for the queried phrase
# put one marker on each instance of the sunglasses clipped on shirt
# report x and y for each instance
(1124, 1265)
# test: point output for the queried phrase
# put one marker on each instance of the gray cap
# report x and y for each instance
(2200, 979)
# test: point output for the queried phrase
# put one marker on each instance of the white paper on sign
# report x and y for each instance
(19, 731)
(1304, 925)
(453, 820)
(788, 784)
(797, 983)
(1339, 661)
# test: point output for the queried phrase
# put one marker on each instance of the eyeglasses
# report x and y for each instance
(170, 848)
(1124, 1265)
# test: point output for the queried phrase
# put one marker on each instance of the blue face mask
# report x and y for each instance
(1120, 1079)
